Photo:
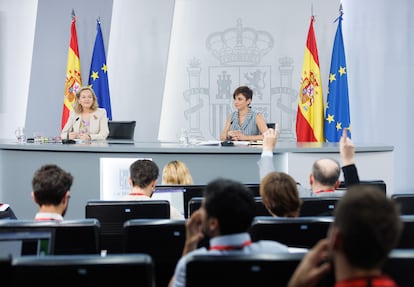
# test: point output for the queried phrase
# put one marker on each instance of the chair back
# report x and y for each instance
(318, 206)
(84, 270)
(112, 214)
(194, 190)
(407, 234)
(378, 183)
(195, 203)
(405, 201)
(162, 239)
(400, 266)
(79, 236)
(5, 268)
(121, 130)
(241, 270)
(301, 232)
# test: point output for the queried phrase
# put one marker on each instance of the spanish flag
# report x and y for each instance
(73, 74)
(310, 115)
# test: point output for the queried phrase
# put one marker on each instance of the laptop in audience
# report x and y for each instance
(26, 241)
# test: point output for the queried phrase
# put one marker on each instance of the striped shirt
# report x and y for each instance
(249, 126)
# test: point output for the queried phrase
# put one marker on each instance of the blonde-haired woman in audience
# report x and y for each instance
(176, 172)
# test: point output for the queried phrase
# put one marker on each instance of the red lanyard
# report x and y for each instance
(231, 247)
(328, 190)
(136, 193)
(381, 280)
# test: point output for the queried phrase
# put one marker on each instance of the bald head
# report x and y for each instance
(326, 171)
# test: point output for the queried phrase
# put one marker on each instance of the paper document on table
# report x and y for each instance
(210, 142)
(241, 142)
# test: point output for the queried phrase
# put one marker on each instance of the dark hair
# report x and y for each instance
(232, 203)
(143, 172)
(370, 225)
(280, 194)
(50, 184)
(326, 175)
(245, 91)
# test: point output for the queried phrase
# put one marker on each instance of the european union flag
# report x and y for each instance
(337, 107)
(98, 76)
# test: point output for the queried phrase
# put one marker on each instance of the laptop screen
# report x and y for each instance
(26, 241)
(173, 193)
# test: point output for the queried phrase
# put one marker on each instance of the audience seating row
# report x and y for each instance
(276, 270)
(163, 239)
(311, 206)
(80, 269)
(206, 270)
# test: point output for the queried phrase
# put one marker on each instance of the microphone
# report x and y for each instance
(67, 140)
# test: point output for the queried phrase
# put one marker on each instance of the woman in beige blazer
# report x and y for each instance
(86, 121)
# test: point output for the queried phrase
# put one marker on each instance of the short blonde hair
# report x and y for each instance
(176, 172)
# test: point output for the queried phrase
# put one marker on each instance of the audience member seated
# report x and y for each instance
(225, 217)
(280, 194)
(176, 172)
(51, 192)
(366, 227)
(324, 178)
(143, 179)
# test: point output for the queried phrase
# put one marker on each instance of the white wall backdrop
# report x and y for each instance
(256, 43)
(17, 27)
(141, 48)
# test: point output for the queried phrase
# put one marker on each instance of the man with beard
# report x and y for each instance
(224, 217)
(51, 191)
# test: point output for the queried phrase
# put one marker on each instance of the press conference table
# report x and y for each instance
(84, 161)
